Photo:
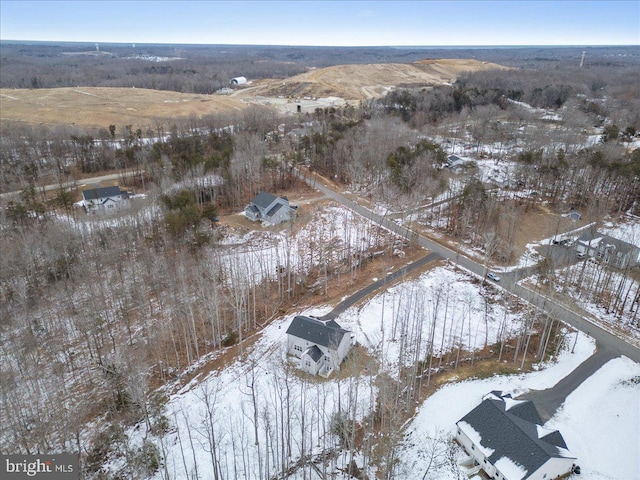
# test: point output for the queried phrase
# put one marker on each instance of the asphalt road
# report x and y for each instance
(552, 306)
(369, 289)
(75, 183)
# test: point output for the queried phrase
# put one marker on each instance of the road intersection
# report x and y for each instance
(510, 282)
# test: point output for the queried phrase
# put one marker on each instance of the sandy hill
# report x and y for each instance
(97, 107)
(355, 82)
(102, 106)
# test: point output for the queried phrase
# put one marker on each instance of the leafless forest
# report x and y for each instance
(98, 313)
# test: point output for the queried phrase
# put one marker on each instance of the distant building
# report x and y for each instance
(238, 81)
(104, 199)
(454, 162)
(505, 438)
(575, 216)
(269, 209)
(321, 345)
(610, 250)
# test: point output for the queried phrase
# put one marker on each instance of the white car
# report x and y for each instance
(493, 276)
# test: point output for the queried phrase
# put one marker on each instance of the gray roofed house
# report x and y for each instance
(454, 162)
(104, 199)
(505, 438)
(321, 345)
(269, 209)
(613, 251)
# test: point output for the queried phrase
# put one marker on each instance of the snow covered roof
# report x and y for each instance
(326, 333)
(509, 431)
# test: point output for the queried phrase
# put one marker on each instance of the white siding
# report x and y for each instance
(553, 468)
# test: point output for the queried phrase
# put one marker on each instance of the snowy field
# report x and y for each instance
(263, 395)
(442, 309)
(260, 415)
(600, 420)
(334, 235)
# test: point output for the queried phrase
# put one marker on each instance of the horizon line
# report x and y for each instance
(89, 42)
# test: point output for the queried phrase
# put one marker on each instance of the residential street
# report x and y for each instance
(552, 306)
(76, 183)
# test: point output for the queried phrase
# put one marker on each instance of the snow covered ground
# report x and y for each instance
(441, 308)
(333, 235)
(600, 420)
(262, 394)
(260, 413)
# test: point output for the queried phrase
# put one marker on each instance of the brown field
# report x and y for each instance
(358, 82)
(102, 106)
(99, 107)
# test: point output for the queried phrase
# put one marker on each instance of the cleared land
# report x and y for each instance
(142, 108)
(102, 106)
(359, 82)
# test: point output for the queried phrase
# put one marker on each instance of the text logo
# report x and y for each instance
(63, 466)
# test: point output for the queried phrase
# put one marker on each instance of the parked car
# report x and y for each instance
(493, 276)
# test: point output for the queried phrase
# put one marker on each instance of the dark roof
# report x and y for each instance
(597, 238)
(526, 411)
(263, 199)
(504, 425)
(326, 333)
(453, 158)
(253, 208)
(314, 352)
(555, 438)
(101, 192)
(273, 211)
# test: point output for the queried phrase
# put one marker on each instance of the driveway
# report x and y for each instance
(552, 306)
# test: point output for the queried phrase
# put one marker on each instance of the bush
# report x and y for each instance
(230, 339)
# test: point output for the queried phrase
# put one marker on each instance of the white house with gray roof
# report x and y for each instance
(269, 209)
(610, 250)
(321, 345)
(104, 199)
(505, 438)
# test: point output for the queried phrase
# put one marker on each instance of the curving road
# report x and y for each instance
(369, 289)
(549, 400)
(552, 306)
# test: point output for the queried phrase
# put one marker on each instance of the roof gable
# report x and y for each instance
(314, 352)
(263, 199)
(503, 429)
(525, 410)
(594, 239)
(326, 333)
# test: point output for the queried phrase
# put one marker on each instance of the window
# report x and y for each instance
(297, 348)
(473, 447)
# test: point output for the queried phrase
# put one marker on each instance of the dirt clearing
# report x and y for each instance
(359, 82)
(102, 106)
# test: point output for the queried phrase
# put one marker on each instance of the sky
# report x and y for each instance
(328, 23)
